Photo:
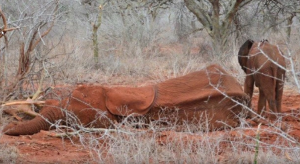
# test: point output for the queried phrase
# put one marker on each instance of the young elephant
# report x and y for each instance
(264, 65)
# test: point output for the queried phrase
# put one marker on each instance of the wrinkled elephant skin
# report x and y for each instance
(264, 65)
(209, 93)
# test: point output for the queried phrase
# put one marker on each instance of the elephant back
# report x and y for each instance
(263, 52)
(196, 88)
(207, 96)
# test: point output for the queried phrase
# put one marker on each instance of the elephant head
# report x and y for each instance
(264, 66)
(243, 54)
(49, 114)
(86, 106)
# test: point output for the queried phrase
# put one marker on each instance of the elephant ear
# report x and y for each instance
(124, 101)
(243, 54)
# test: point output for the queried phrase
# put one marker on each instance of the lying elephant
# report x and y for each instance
(264, 65)
(210, 92)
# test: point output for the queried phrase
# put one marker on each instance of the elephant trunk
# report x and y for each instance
(48, 115)
(27, 128)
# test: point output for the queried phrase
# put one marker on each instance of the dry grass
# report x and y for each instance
(163, 144)
(155, 145)
(145, 59)
(8, 154)
(128, 145)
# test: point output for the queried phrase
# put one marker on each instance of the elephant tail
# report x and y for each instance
(274, 78)
(49, 114)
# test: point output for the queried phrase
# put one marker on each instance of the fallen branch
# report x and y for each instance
(24, 109)
(84, 130)
(22, 102)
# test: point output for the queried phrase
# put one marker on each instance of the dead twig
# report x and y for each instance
(94, 130)
(23, 102)
(23, 108)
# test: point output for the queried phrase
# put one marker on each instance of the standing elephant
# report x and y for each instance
(264, 65)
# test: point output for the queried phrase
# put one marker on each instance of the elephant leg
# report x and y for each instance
(261, 103)
(279, 93)
(270, 95)
(248, 88)
(273, 108)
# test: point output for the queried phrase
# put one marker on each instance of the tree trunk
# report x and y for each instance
(289, 27)
(96, 26)
(217, 47)
(95, 44)
(216, 25)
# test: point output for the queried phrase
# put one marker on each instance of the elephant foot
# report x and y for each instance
(272, 116)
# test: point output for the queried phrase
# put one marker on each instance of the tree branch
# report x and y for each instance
(234, 8)
(201, 15)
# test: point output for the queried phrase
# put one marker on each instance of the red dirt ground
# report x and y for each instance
(42, 148)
